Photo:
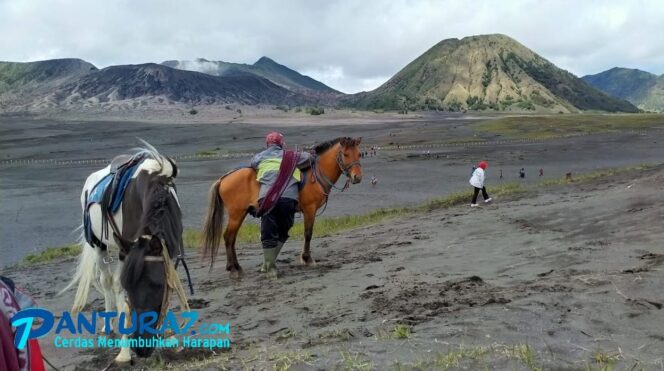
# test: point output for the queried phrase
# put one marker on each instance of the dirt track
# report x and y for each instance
(572, 272)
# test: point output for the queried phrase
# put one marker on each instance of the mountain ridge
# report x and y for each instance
(482, 72)
(264, 67)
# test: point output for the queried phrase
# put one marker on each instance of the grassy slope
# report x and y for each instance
(15, 75)
(552, 126)
(250, 233)
(630, 84)
(643, 89)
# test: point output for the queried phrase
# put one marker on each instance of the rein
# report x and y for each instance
(172, 282)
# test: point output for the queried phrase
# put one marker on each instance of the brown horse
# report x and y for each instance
(237, 192)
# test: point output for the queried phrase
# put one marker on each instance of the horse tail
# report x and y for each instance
(213, 225)
(84, 276)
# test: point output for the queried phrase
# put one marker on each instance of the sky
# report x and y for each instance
(350, 45)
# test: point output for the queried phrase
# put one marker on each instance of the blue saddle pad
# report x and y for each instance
(97, 194)
(98, 190)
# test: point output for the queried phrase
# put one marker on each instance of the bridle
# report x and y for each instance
(326, 183)
(171, 282)
(345, 168)
(118, 235)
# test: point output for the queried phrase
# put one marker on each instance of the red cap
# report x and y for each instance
(483, 165)
(274, 138)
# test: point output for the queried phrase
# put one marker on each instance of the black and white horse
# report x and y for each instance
(148, 218)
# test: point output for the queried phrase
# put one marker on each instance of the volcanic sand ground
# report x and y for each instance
(43, 192)
(572, 271)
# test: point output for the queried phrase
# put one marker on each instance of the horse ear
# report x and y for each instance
(174, 166)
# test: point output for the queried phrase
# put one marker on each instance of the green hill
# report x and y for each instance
(643, 89)
(486, 72)
(17, 76)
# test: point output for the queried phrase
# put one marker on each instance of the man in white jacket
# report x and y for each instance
(477, 181)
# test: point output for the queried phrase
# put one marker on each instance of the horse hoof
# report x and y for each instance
(308, 261)
(122, 360)
(236, 274)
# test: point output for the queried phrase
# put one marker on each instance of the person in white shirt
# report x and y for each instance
(477, 181)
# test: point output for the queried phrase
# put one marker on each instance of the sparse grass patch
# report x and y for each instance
(355, 361)
(287, 334)
(552, 126)
(453, 358)
(284, 361)
(217, 362)
(52, 253)
(525, 354)
(401, 332)
(479, 357)
(605, 360)
(337, 334)
(209, 152)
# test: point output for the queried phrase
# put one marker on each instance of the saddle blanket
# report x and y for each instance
(122, 179)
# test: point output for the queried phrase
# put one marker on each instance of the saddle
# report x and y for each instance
(109, 193)
(119, 161)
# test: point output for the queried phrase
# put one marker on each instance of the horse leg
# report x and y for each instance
(124, 356)
(106, 278)
(309, 219)
(118, 290)
(230, 236)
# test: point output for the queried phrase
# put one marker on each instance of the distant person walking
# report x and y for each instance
(501, 173)
(522, 173)
(477, 181)
(541, 172)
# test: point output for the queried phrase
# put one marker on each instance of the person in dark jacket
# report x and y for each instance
(278, 221)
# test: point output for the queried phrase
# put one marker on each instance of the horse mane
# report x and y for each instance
(162, 216)
(162, 219)
(148, 151)
(133, 266)
(325, 146)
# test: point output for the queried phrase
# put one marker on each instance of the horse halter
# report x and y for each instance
(345, 168)
(326, 183)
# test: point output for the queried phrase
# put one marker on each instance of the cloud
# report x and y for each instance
(350, 45)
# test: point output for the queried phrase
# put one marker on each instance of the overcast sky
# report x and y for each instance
(350, 45)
